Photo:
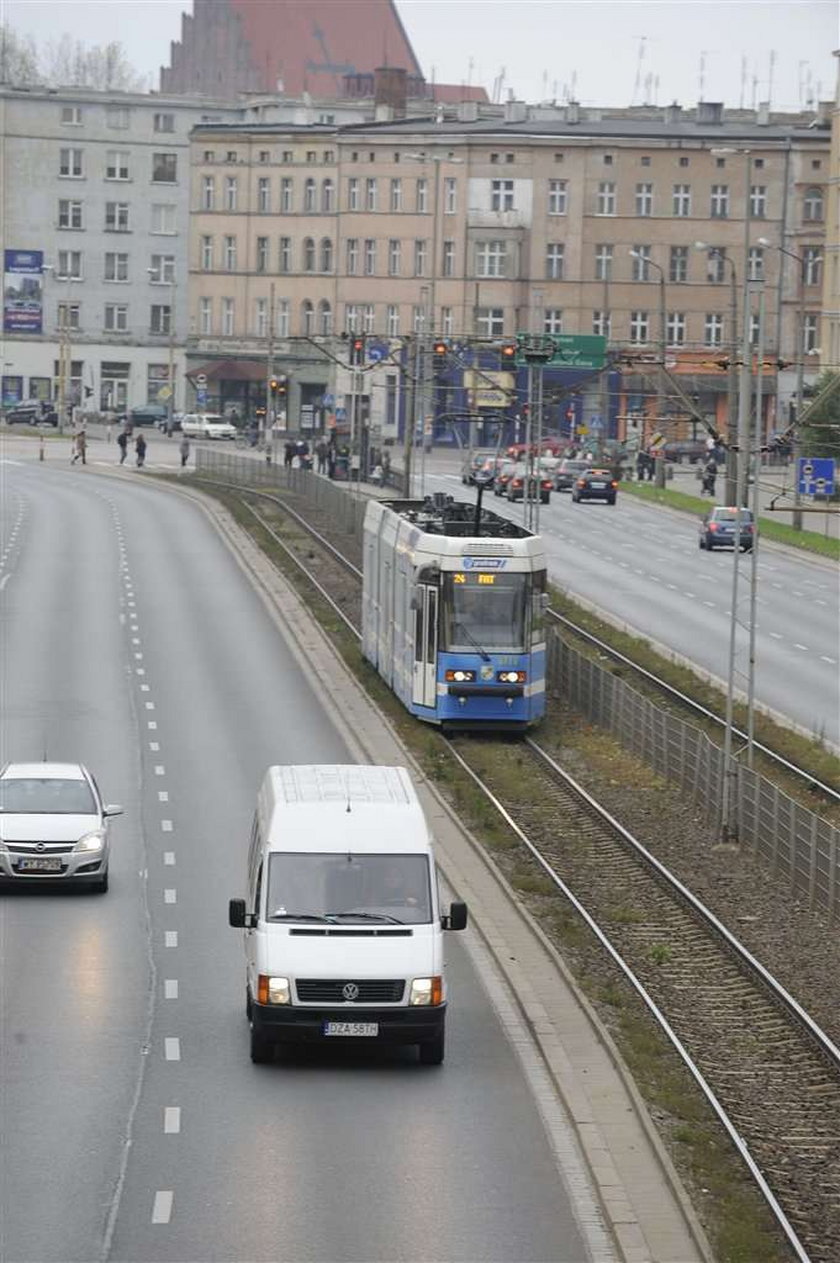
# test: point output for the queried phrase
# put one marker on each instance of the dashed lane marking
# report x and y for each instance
(170, 895)
(166, 826)
(170, 938)
(162, 1208)
(172, 1048)
(170, 988)
(169, 858)
(171, 1120)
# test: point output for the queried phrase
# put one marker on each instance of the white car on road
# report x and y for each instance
(206, 425)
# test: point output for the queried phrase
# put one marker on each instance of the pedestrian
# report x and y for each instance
(288, 454)
(185, 450)
(331, 462)
(122, 444)
(641, 465)
(79, 448)
(386, 466)
(140, 449)
(709, 477)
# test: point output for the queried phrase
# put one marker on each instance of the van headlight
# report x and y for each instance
(273, 990)
(426, 990)
(90, 842)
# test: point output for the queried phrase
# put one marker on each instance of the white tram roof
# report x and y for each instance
(424, 535)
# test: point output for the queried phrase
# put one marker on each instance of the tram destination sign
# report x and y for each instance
(561, 350)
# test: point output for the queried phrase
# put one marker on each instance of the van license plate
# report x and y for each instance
(351, 1028)
(44, 865)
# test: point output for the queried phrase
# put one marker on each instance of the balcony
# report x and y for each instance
(497, 219)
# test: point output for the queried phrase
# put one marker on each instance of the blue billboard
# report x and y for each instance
(23, 291)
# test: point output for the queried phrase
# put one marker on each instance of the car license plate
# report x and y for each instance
(351, 1028)
(40, 864)
(598, 484)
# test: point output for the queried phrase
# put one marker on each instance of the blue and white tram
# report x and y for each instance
(453, 612)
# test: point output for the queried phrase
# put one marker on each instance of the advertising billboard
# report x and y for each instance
(23, 291)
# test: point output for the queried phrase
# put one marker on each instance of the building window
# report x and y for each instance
(681, 204)
(69, 214)
(230, 254)
(164, 168)
(812, 265)
(309, 196)
(601, 322)
(163, 221)
(286, 195)
(644, 161)
(812, 206)
(160, 318)
(287, 156)
(393, 321)
(491, 258)
(283, 320)
(719, 203)
(420, 258)
(394, 257)
(263, 194)
(675, 328)
(554, 256)
(755, 264)
(116, 164)
(639, 327)
(71, 116)
(421, 196)
(396, 195)
(370, 193)
(157, 376)
(608, 159)
(164, 123)
(231, 156)
(326, 255)
(261, 317)
(69, 316)
(715, 269)
(113, 385)
(553, 320)
(69, 265)
(262, 254)
(327, 196)
(810, 331)
(70, 163)
(603, 262)
(351, 318)
(116, 216)
(713, 334)
(369, 318)
(758, 201)
(370, 257)
(265, 155)
(284, 261)
(448, 262)
(755, 325)
(228, 317)
(117, 117)
(324, 318)
(308, 254)
(206, 254)
(450, 195)
(116, 267)
(231, 192)
(418, 319)
(644, 200)
(490, 322)
(641, 263)
(352, 253)
(683, 161)
(208, 193)
(307, 318)
(205, 315)
(162, 269)
(311, 155)
(678, 269)
(557, 197)
(605, 203)
(447, 324)
(501, 195)
(116, 318)
(353, 193)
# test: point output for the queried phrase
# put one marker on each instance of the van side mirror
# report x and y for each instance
(457, 919)
(236, 913)
(112, 810)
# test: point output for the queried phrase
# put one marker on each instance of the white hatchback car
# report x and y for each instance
(207, 425)
(53, 825)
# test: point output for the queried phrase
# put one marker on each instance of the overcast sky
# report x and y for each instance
(612, 53)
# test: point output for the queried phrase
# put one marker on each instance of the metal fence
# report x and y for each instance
(796, 844)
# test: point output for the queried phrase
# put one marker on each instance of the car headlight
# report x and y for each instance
(273, 990)
(426, 990)
(90, 842)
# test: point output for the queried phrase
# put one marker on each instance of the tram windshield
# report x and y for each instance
(484, 612)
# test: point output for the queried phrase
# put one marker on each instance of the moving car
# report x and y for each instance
(595, 484)
(567, 472)
(33, 412)
(207, 425)
(149, 414)
(518, 481)
(717, 529)
(504, 473)
(53, 825)
(483, 462)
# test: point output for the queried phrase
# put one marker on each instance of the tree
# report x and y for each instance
(18, 59)
(821, 418)
(102, 66)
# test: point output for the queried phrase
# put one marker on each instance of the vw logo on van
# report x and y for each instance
(350, 991)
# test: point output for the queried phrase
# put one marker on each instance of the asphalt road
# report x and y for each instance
(134, 1126)
(642, 564)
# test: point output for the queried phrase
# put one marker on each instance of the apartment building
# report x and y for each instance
(830, 333)
(476, 227)
(94, 232)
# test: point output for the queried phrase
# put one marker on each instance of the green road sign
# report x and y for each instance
(574, 350)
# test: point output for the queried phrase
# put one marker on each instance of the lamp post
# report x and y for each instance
(170, 381)
(65, 365)
(732, 371)
(663, 341)
(800, 374)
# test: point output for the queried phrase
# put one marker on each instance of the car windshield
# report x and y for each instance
(486, 609)
(46, 796)
(572, 466)
(728, 515)
(347, 887)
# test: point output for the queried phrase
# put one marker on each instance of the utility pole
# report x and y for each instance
(170, 403)
(269, 418)
(756, 469)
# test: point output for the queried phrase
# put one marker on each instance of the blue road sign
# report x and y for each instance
(376, 352)
(328, 401)
(341, 414)
(201, 397)
(815, 476)
(596, 424)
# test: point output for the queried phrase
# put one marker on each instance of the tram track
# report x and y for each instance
(770, 1074)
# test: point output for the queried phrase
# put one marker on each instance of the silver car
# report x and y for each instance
(53, 825)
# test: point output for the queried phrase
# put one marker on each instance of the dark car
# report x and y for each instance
(685, 451)
(717, 530)
(518, 481)
(595, 484)
(34, 412)
(567, 472)
(150, 414)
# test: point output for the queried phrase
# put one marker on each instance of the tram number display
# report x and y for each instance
(475, 578)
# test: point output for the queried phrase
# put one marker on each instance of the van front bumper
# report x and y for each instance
(296, 1024)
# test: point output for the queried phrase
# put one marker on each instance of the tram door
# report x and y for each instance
(425, 645)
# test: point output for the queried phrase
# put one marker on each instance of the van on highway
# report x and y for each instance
(343, 929)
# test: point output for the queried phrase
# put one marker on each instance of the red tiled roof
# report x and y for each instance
(452, 93)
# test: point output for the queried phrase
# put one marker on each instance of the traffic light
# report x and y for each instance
(357, 349)
(272, 385)
(277, 386)
(439, 352)
(508, 352)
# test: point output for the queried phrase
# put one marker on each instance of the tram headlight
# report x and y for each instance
(511, 677)
(458, 676)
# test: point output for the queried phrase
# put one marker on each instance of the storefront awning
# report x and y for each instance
(230, 371)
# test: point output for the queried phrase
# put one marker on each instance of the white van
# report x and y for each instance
(343, 931)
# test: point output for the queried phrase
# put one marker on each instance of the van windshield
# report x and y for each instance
(348, 887)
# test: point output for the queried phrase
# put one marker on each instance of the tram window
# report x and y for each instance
(489, 615)
(538, 606)
(418, 630)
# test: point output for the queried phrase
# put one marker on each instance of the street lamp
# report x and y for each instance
(663, 340)
(800, 374)
(732, 371)
(65, 363)
(170, 402)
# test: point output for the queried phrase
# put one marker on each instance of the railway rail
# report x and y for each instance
(769, 1073)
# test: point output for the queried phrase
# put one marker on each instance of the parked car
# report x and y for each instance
(207, 425)
(595, 484)
(519, 480)
(149, 414)
(503, 474)
(685, 451)
(32, 412)
(164, 423)
(567, 472)
(717, 529)
(475, 462)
